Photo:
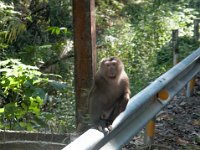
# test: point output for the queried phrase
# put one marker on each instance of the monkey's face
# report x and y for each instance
(111, 68)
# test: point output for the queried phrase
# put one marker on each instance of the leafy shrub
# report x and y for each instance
(21, 95)
(29, 101)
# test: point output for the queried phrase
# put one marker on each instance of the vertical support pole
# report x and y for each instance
(196, 30)
(190, 85)
(149, 132)
(175, 46)
(85, 55)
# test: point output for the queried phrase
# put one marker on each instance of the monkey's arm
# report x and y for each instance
(126, 94)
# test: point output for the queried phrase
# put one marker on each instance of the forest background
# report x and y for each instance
(37, 58)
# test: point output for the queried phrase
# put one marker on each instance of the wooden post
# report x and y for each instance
(85, 55)
(190, 87)
(175, 46)
(191, 83)
(196, 30)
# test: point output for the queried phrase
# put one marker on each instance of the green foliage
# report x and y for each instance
(141, 36)
(22, 92)
(56, 30)
(26, 104)
(38, 33)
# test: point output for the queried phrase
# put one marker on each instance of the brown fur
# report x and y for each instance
(110, 92)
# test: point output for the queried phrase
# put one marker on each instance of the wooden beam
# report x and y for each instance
(85, 54)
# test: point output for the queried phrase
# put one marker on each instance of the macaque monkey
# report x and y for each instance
(110, 93)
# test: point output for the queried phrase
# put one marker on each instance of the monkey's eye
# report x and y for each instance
(114, 64)
(107, 64)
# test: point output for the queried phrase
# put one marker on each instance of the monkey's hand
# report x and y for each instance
(104, 126)
(104, 130)
(127, 96)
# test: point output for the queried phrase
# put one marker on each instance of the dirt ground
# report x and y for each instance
(177, 125)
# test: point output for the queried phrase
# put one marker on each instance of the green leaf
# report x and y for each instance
(5, 62)
(22, 124)
(57, 31)
(9, 110)
(1, 110)
(47, 115)
(29, 127)
(39, 92)
(57, 85)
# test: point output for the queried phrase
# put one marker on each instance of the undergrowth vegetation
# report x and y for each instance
(140, 33)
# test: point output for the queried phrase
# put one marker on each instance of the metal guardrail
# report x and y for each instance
(141, 108)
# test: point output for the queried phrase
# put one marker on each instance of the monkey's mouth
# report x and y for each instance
(112, 77)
